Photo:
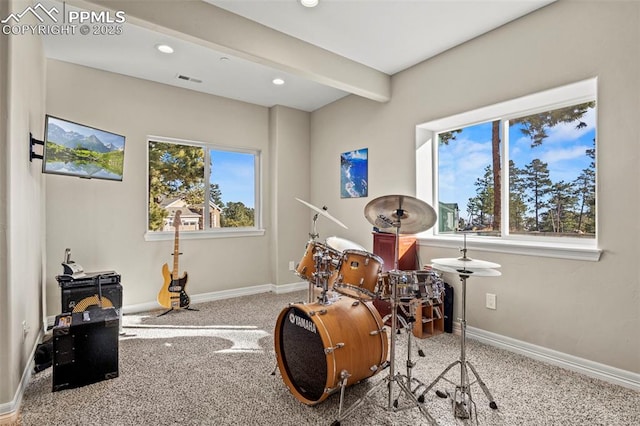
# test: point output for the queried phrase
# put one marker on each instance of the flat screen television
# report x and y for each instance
(77, 150)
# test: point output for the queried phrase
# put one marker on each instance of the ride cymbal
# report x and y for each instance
(407, 213)
(322, 211)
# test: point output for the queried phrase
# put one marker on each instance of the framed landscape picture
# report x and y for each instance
(354, 173)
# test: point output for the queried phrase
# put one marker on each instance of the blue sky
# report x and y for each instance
(464, 159)
(234, 172)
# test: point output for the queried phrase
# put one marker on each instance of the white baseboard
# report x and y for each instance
(9, 410)
(214, 295)
(589, 368)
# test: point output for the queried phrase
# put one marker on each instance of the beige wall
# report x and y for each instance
(21, 220)
(289, 130)
(587, 309)
(104, 222)
(590, 310)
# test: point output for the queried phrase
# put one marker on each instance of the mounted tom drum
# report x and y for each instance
(318, 254)
(358, 274)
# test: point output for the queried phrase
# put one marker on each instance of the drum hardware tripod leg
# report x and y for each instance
(391, 378)
(462, 402)
(358, 403)
(398, 378)
(344, 375)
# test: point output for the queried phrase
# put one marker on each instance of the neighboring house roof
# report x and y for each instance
(176, 203)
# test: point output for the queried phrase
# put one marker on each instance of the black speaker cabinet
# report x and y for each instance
(85, 348)
(78, 299)
(448, 308)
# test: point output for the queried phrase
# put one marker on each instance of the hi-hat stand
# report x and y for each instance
(387, 212)
(462, 402)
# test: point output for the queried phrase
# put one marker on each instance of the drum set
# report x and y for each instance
(338, 337)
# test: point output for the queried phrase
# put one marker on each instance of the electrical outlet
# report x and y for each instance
(25, 330)
(292, 265)
(491, 301)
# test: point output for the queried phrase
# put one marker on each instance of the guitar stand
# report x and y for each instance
(188, 308)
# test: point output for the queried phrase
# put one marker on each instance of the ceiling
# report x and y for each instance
(323, 54)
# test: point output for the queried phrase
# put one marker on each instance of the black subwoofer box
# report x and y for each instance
(85, 348)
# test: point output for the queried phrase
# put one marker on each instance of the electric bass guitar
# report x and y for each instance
(172, 295)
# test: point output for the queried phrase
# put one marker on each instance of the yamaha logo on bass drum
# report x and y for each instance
(302, 322)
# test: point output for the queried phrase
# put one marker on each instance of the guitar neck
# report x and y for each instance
(176, 255)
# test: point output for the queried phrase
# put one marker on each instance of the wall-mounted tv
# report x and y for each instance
(77, 150)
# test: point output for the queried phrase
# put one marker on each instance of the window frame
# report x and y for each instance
(427, 174)
(210, 233)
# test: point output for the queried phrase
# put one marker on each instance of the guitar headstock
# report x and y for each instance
(176, 220)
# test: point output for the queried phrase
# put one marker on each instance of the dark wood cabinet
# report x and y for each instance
(384, 245)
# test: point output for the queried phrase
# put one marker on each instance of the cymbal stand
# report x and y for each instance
(312, 237)
(399, 379)
(322, 274)
(462, 403)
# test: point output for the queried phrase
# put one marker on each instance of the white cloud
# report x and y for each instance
(564, 132)
(563, 154)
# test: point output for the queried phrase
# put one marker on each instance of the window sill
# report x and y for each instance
(525, 248)
(201, 235)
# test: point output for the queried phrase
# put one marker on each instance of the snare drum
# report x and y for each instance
(430, 283)
(405, 281)
(313, 346)
(358, 274)
(329, 259)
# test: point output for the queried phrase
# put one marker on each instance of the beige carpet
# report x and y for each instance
(213, 367)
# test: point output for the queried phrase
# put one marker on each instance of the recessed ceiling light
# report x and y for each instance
(278, 81)
(164, 48)
(309, 3)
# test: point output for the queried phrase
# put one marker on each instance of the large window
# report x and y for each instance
(524, 169)
(215, 189)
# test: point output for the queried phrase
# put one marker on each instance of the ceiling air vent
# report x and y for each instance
(187, 78)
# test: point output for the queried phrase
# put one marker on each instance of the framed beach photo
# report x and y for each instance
(354, 173)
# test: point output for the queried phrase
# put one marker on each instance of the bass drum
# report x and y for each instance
(314, 343)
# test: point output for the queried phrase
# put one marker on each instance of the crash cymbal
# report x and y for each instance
(407, 213)
(465, 262)
(323, 211)
(467, 271)
(341, 244)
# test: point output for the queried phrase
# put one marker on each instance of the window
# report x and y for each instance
(521, 170)
(182, 175)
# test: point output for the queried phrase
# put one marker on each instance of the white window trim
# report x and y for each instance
(427, 177)
(200, 235)
(255, 231)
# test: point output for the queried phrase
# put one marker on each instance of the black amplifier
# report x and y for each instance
(87, 279)
(85, 348)
(78, 299)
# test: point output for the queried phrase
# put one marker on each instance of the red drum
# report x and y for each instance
(358, 274)
(329, 259)
(313, 346)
